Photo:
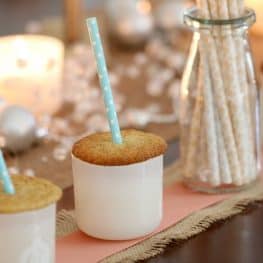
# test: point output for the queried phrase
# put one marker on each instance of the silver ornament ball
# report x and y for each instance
(18, 127)
(169, 14)
(128, 23)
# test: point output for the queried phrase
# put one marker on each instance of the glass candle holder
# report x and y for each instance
(117, 202)
(220, 124)
(31, 72)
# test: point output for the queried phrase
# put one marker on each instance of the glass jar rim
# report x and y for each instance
(193, 18)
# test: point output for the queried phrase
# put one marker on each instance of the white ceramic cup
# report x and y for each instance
(28, 237)
(118, 202)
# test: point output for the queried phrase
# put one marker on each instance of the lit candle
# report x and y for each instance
(257, 5)
(31, 72)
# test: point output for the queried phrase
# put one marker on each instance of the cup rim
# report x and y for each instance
(29, 210)
(113, 166)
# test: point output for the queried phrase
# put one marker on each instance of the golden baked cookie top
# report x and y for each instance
(137, 147)
(31, 193)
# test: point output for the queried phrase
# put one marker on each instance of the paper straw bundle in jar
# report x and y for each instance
(222, 128)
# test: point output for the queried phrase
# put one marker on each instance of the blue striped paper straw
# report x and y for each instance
(4, 176)
(104, 79)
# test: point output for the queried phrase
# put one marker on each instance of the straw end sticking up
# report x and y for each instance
(92, 25)
(91, 20)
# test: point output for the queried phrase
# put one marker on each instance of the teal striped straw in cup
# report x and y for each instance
(104, 79)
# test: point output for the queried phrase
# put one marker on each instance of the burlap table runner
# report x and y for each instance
(190, 226)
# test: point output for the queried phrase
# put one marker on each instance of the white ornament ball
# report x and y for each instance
(134, 29)
(18, 127)
(129, 23)
(169, 15)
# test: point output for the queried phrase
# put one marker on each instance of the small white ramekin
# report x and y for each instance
(118, 202)
(28, 237)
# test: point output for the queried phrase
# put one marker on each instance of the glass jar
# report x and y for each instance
(220, 106)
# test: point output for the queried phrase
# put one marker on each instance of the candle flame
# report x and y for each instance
(21, 49)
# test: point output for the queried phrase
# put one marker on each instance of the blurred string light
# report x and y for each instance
(144, 6)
